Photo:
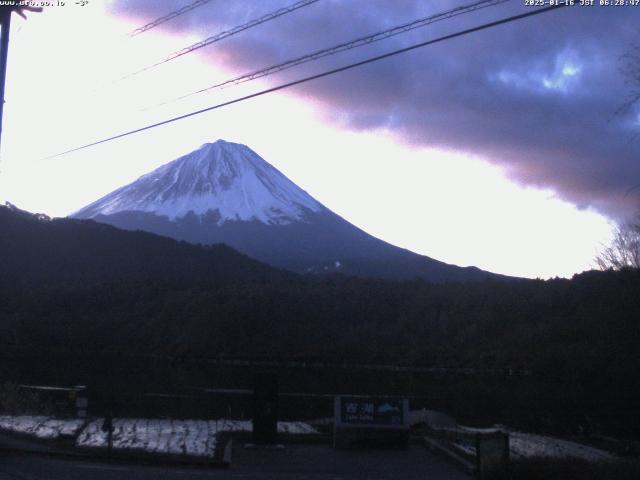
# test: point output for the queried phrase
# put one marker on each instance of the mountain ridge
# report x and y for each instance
(226, 193)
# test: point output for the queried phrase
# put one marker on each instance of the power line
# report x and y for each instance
(358, 42)
(226, 33)
(169, 16)
(319, 75)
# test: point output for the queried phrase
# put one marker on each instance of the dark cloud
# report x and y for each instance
(537, 97)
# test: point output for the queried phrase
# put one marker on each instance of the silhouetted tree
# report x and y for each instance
(624, 250)
(631, 71)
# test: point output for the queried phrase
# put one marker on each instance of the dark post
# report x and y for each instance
(81, 401)
(265, 408)
(107, 427)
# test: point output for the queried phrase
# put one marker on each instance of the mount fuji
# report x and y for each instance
(225, 193)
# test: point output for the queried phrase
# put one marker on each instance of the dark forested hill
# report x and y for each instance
(35, 249)
(199, 300)
(81, 288)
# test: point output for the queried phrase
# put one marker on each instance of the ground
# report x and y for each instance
(309, 462)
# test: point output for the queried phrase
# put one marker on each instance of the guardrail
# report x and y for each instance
(484, 452)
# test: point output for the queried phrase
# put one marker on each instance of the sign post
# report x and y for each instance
(367, 420)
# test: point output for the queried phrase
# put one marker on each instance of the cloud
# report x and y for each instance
(537, 97)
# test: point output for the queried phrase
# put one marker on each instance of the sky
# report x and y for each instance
(508, 149)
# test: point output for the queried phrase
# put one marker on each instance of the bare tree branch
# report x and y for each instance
(624, 250)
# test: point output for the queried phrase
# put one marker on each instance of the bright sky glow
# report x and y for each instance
(452, 207)
(560, 77)
(564, 74)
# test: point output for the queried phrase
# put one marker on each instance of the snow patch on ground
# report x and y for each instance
(176, 437)
(198, 437)
(162, 436)
(41, 426)
(528, 445)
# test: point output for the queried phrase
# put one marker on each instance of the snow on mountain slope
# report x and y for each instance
(225, 193)
(223, 177)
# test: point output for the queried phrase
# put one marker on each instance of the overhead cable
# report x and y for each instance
(169, 16)
(350, 66)
(225, 34)
(358, 42)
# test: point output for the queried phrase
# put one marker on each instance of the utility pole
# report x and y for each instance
(5, 25)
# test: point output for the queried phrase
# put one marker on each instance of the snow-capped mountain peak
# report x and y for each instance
(223, 178)
(225, 193)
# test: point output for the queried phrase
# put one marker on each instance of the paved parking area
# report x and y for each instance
(307, 462)
(323, 461)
